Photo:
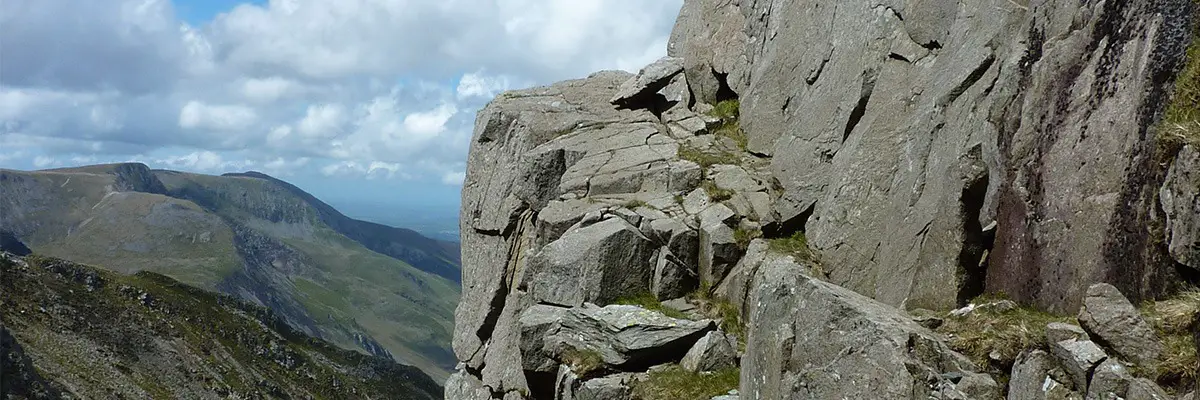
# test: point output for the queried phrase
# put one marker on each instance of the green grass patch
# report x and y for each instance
(728, 316)
(716, 192)
(795, 245)
(995, 338)
(743, 236)
(650, 302)
(1181, 122)
(1179, 364)
(707, 159)
(728, 111)
(676, 383)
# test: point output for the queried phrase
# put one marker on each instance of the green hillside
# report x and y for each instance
(253, 237)
(74, 330)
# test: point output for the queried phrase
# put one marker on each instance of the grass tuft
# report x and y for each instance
(675, 383)
(583, 361)
(795, 245)
(995, 338)
(715, 192)
(1179, 364)
(635, 203)
(1182, 119)
(743, 236)
(728, 316)
(650, 302)
(706, 159)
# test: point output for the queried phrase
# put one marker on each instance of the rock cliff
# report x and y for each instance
(803, 173)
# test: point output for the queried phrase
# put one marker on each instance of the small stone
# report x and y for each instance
(711, 353)
(1109, 381)
(1058, 331)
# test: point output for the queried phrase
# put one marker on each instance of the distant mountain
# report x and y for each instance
(74, 331)
(382, 290)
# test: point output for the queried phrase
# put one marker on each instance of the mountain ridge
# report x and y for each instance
(253, 236)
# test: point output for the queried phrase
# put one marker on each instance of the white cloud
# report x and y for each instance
(477, 84)
(198, 115)
(371, 170)
(367, 88)
(203, 161)
(44, 161)
(324, 120)
(429, 123)
(454, 178)
(267, 90)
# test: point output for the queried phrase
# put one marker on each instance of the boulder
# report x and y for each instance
(648, 81)
(1036, 376)
(1180, 200)
(611, 387)
(625, 335)
(719, 252)
(672, 277)
(978, 386)
(712, 352)
(1058, 331)
(1079, 358)
(1111, 318)
(595, 263)
(811, 339)
(536, 322)
(1109, 381)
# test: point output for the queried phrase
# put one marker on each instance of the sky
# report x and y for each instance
(353, 100)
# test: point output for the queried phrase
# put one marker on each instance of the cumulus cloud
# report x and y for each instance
(380, 89)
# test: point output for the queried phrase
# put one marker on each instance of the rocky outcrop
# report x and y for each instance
(978, 140)
(957, 121)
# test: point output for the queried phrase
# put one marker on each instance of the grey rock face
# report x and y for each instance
(1036, 376)
(712, 352)
(942, 132)
(710, 38)
(612, 387)
(626, 335)
(811, 339)
(1109, 316)
(1079, 358)
(595, 263)
(1180, 199)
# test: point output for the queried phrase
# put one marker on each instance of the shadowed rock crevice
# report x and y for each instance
(860, 109)
(977, 242)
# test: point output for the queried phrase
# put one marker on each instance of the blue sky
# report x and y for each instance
(353, 100)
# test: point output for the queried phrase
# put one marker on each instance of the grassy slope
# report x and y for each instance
(146, 335)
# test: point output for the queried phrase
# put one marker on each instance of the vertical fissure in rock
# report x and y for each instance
(514, 233)
(860, 109)
(977, 243)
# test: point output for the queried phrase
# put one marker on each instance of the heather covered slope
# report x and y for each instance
(251, 236)
(74, 331)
